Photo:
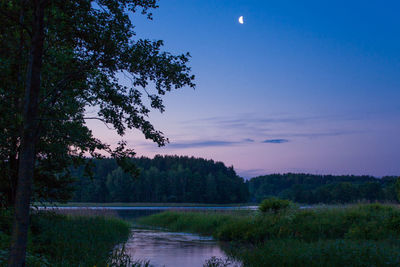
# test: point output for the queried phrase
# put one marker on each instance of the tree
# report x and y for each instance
(397, 188)
(60, 58)
(211, 189)
(119, 185)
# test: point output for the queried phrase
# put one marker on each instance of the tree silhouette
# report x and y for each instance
(60, 58)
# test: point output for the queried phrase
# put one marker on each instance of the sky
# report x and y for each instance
(301, 86)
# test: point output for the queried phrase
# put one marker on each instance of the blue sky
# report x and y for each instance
(301, 86)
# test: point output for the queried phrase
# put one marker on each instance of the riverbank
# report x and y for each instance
(138, 204)
(357, 235)
(65, 240)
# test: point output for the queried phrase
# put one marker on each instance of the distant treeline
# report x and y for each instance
(196, 180)
(162, 179)
(307, 188)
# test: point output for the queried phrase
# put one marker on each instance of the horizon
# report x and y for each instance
(298, 87)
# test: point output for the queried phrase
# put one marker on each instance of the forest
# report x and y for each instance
(329, 189)
(162, 179)
(181, 179)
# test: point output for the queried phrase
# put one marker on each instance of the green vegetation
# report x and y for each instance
(274, 204)
(174, 179)
(339, 252)
(60, 62)
(75, 74)
(63, 240)
(178, 179)
(356, 235)
(204, 223)
(313, 189)
(136, 204)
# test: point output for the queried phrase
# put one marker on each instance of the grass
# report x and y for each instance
(137, 204)
(201, 222)
(65, 240)
(356, 235)
(339, 252)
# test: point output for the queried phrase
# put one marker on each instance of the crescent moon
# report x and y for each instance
(241, 20)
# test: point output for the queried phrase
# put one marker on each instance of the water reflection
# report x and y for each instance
(172, 249)
(161, 248)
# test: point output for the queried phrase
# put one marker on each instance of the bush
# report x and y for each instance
(274, 204)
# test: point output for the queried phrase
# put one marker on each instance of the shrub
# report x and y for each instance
(274, 204)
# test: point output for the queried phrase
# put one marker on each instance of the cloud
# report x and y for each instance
(252, 119)
(195, 144)
(251, 127)
(311, 135)
(207, 143)
(289, 125)
(275, 141)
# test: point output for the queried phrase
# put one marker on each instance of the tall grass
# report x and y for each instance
(339, 252)
(64, 240)
(201, 222)
(357, 235)
(361, 222)
(137, 204)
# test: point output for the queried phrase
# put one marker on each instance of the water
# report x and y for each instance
(171, 249)
(163, 248)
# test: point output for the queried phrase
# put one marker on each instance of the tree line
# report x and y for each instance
(162, 179)
(196, 180)
(312, 189)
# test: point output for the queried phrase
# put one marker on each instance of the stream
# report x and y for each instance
(171, 249)
(163, 248)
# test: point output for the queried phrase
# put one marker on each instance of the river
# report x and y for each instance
(163, 248)
(172, 249)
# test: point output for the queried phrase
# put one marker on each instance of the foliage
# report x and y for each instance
(339, 252)
(219, 262)
(357, 235)
(274, 204)
(60, 240)
(162, 179)
(92, 63)
(204, 223)
(312, 189)
(397, 186)
(119, 258)
(359, 222)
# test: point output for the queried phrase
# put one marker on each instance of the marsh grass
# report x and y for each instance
(339, 252)
(68, 240)
(85, 212)
(200, 222)
(137, 204)
(357, 222)
(120, 258)
(355, 235)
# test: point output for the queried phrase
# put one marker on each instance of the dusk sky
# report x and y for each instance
(301, 86)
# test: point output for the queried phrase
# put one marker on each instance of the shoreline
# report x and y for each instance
(136, 204)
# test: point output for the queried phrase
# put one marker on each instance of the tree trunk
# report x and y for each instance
(29, 138)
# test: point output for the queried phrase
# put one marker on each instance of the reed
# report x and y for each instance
(355, 235)
(68, 240)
